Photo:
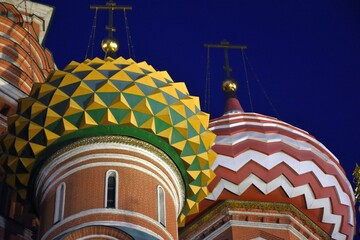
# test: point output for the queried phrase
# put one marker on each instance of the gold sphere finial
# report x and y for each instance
(229, 85)
(110, 44)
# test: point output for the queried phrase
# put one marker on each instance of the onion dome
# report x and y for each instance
(111, 97)
(264, 159)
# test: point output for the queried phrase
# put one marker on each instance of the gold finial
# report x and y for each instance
(229, 85)
(110, 44)
(356, 175)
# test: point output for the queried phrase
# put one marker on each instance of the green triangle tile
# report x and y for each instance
(20, 168)
(169, 99)
(97, 114)
(108, 97)
(202, 148)
(188, 112)
(175, 116)
(158, 82)
(46, 99)
(75, 119)
(61, 107)
(132, 99)
(181, 94)
(195, 164)
(56, 127)
(83, 100)
(160, 126)
(145, 71)
(141, 118)
(187, 151)
(191, 131)
(119, 114)
(70, 89)
(40, 118)
(40, 138)
(95, 65)
(121, 85)
(24, 133)
(156, 106)
(27, 152)
(95, 84)
(133, 75)
(55, 82)
(108, 73)
(176, 136)
(146, 89)
(81, 74)
(122, 66)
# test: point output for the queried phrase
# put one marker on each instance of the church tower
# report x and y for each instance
(109, 149)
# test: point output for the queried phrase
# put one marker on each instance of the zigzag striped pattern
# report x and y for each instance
(263, 159)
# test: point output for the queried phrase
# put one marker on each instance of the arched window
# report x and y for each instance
(161, 206)
(59, 203)
(111, 189)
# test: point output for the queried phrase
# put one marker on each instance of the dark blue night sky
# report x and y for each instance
(304, 55)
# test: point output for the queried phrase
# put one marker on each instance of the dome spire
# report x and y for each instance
(229, 84)
(110, 44)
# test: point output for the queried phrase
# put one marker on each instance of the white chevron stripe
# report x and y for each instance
(278, 124)
(291, 191)
(270, 161)
(274, 137)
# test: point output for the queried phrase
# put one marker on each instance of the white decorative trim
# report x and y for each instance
(102, 236)
(59, 203)
(290, 190)
(108, 173)
(47, 180)
(161, 206)
(239, 223)
(109, 223)
(300, 167)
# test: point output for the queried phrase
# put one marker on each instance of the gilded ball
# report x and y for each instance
(229, 85)
(109, 45)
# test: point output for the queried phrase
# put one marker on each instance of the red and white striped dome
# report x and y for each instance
(263, 159)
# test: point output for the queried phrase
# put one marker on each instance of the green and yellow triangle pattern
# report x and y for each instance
(110, 92)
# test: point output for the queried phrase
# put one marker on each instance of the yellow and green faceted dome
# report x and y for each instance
(111, 97)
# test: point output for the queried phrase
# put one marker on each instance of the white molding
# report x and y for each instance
(109, 223)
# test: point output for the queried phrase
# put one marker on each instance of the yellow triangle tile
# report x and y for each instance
(45, 89)
(189, 102)
(188, 159)
(166, 75)
(179, 108)
(108, 118)
(51, 116)
(82, 89)
(149, 124)
(194, 209)
(56, 75)
(194, 174)
(23, 178)
(146, 80)
(181, 220)
(158, 75)
(165, 133)
(73, 108)
(50, 136)
(58, 96)
(11, 120)
(71, 65)
(95, 75)
(127, 119)
(22, 193)
(121, 76)
(158, 96)
(108, 87)
(134, 68)
(182, 127)
(12, 162)
(34, 129)
(208, 138)
(9, 140)
(121, 60)
(203, 192)
(144, 107)
(133, 89)
(87, 121)
(96, 61)
(179, 145)
(68, 79)
(204, 119)
(96, 103)
(108, 66)
(36, 148)
(169, 89)
(28, 163)
(20, 144)
(191, 204)
(82, 67)
(195, 122)
(164, 115)
(180, 86)
(25, 103)
(68, 127)
(37, 108)
(20, 124)
(146, 66)
(132, 119)
(120, 103)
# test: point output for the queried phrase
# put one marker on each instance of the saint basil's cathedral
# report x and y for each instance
(114, 149)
